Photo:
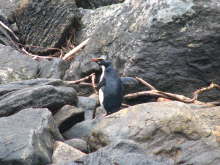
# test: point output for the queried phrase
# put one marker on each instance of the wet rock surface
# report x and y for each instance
(27, 137)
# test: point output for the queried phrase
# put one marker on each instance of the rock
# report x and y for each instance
(88, 105)
(18, 85)
(15, 66)
(49, 96)
(165, 129)
(27, 137)
(54, 68)
(67, 116)
(65, 153)
(121, 153)
(81, 130)
(7, 8)
(168, 44)
(48, 24)
(78, 144)
(100, 112)
(89, 4)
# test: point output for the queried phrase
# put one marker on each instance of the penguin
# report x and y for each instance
(110, 87)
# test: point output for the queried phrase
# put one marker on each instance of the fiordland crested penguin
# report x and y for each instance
(110, 87)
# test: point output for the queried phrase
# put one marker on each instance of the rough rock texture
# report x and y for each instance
(172, 44)
(88, 4)
(7, 8)
(15, 66)
(46, 23)
(27, 137)
(121, 153)
(183, 133)
(54, 68)
(88, 105)
(64, 153)
(78, 144)
(67, 116)
(16, 98)
(81, 130)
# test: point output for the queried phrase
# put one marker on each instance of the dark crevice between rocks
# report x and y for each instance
(67, 124)
(69, 34)
(93, 4)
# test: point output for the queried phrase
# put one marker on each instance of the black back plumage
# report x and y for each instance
(112, 90)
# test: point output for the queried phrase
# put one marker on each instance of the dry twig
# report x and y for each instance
(76, 49)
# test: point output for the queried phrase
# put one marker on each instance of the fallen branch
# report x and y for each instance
(145, 83)
(76, 49)
(35, 57)
(171, 96)
(201, 90)
(80, 80)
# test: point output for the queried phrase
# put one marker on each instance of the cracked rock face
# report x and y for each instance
(174, 130)
(123, 152)
(174, 45)
(27, 137)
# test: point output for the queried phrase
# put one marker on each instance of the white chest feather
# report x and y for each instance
(101, 97)
(101, 94)
(102, 75)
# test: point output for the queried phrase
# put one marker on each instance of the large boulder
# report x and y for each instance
(183, 133)
(49, 96)
(47, 24)
(27, 137)
(15, 66)
(123, 152)
(174, 45)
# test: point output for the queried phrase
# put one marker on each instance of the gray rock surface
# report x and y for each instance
(54, 68)
(64, 153)
(49, 96)
(121, 153)
(15, 66)
(81, 130)
(174, 45)
(48, 24)
(180, 132)
(27, 137)
(78, 144)
(67, 116)
(88, 105)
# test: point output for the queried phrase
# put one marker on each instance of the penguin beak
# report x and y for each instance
(96, 59)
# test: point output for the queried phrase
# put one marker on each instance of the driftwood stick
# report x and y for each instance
(9, 31)
(80, 80)
(201, 90)
(35, 57)
(76, 49)
(145, 83)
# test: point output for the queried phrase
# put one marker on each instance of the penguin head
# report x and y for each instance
(102, 62)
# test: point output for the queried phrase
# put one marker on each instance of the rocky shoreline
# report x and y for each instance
(46, 120)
